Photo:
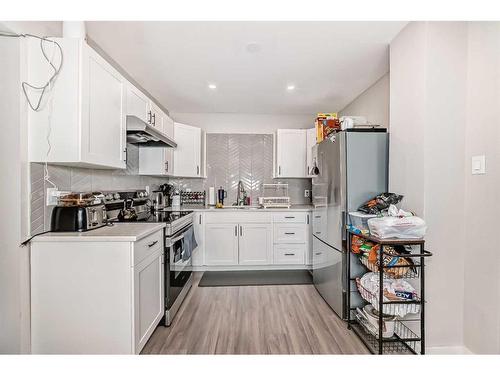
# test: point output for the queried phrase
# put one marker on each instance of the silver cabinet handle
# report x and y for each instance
(152, 243)
(197, 170)
(318, 253)
(307, 216)
(279, 170)
(317, 232)
(149, 117)
(289, 217)
(235, 230)
(241, 230)
(308, 169)
(289, 232)
(154, 119)
(200, 219)
(289, 254)
(166, 166)
(317, 217)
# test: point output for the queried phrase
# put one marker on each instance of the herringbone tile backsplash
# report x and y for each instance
(245, 157)
(230, 158)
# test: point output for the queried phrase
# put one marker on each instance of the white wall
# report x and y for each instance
(14, 260)
(244, 123)
(482, 135)
(10, 230)
(373, 103)
(428, 110)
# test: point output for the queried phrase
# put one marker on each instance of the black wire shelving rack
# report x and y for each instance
(409, 332)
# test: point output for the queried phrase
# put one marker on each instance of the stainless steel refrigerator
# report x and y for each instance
(352, 169)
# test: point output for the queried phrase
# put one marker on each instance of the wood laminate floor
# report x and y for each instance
(281, 319)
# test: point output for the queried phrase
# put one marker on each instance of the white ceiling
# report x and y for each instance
(330, 63)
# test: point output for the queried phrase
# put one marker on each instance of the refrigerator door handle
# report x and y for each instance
(344, 223)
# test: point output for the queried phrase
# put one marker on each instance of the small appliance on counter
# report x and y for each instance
(78, 212)
(158, 200)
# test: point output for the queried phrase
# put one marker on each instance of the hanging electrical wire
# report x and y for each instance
(56, 69)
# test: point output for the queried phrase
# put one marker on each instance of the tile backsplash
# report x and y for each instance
(245, 157)
(83, 179)
(230, 158)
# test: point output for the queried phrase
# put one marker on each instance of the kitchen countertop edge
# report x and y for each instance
(124, 232)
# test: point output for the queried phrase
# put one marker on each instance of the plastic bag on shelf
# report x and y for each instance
(380, 203)
(397, 227)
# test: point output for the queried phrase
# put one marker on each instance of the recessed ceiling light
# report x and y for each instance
(290, 87)
(212, 86)
(253, 47)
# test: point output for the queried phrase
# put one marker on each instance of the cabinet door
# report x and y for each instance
(158, 161)
(138, 103)
(149, 303)
(157, 117)
(291, 153)
(310, 142)
(198, 227)
(187, 155)
(255, 244)
(168, 129)
(103, 112)
(221, 244)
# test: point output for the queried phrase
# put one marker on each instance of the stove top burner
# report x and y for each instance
(165, 216)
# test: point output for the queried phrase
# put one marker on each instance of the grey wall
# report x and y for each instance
(245, 157)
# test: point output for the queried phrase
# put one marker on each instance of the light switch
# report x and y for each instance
(479, 164)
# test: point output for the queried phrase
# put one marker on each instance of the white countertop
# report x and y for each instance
(118, 232)
(294, 207)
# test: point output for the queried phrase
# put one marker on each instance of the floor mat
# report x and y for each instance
(267, 277)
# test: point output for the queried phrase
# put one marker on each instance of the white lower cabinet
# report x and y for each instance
(148, 298)
(95, 296)
(255, 244)
(221, 244)
(255, 239)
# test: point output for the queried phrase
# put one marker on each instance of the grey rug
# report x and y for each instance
(267, 277)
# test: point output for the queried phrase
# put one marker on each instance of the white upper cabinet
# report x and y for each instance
(158, 161)
(188, 159)
(138, 104)
(85, 119)
(310, 142)
(290, 153)
(157, 117)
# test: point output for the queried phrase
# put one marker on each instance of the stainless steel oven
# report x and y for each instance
(178, 271)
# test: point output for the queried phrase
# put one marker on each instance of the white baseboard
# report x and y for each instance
(249, 268)
(443, 350)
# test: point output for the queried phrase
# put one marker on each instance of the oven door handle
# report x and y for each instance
(178, 238)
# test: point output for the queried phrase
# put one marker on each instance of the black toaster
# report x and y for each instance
(77, 218)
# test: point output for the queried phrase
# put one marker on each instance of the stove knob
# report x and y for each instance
(116, 196)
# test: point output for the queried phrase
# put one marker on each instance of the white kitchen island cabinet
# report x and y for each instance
(85, 119)
(98, 292)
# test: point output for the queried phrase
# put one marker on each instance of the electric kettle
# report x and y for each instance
(158, 200)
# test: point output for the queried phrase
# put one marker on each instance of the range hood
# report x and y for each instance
(146, 135)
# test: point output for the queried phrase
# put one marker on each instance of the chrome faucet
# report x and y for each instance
(240, 197)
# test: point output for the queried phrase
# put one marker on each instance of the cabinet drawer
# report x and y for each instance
(289, 254)
(148, 246)
(289, 233)
(290, 217)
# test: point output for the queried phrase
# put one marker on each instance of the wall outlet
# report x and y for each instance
(307, 193)
(52, 195)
